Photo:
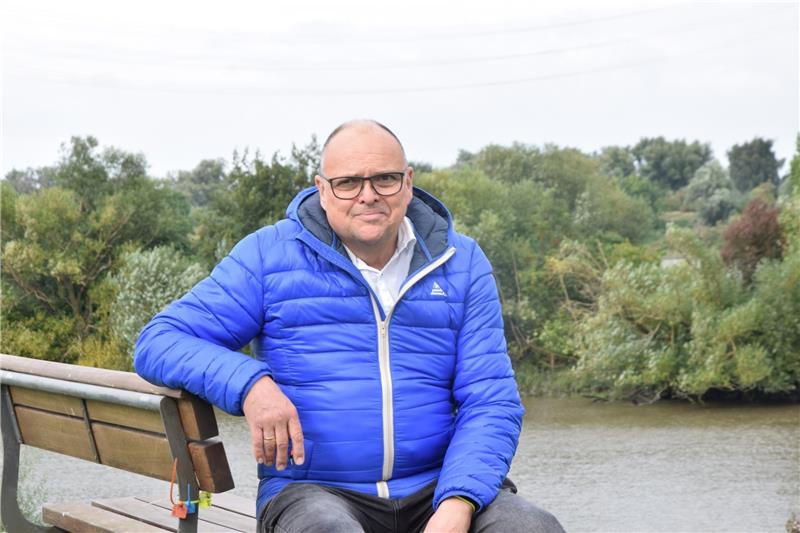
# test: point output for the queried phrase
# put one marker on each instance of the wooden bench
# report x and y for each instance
(116, 419)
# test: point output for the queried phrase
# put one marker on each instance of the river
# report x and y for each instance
(670, 466)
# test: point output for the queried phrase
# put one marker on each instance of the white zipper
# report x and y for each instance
(386, 374)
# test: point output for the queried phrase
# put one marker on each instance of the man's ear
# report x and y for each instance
(410, 184)
(322, 199)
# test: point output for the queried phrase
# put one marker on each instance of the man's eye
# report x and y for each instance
(386, 179)
(346, 183)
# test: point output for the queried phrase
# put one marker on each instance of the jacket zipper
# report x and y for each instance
(386, 374)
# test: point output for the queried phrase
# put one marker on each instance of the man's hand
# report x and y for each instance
(273, 422)
(453, 515)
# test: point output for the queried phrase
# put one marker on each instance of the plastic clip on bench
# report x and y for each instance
(115, 419)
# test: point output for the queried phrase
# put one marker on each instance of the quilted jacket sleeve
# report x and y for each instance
(490, 412)
(193, 343)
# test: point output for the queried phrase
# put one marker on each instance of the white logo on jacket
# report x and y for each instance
(437, 290)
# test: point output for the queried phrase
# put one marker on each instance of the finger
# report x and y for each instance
(269, 446)
(257, 439)
(296, 434)
(282, 446)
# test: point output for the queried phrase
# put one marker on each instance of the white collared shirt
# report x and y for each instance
(386, 282)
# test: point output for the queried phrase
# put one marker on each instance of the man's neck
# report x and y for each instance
(375, 256)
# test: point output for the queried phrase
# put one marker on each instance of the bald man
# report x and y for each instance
(380, 396)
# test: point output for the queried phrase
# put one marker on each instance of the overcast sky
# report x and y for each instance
(182, 81)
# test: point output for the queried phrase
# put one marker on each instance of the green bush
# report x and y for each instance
(147, 282)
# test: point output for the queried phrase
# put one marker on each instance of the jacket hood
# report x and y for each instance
(431, 219)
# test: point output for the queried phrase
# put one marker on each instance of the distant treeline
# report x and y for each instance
(637, 272)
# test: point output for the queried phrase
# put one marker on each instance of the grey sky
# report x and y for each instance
(182, 81)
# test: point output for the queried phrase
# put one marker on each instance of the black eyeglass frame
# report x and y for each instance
(363, 180)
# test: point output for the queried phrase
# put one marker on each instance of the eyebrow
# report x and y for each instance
(381, 173)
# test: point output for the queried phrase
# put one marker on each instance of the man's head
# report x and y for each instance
(368, 223)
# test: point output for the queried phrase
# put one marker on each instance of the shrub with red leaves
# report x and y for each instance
(754, 236)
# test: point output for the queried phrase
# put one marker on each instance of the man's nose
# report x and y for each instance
(368, 194)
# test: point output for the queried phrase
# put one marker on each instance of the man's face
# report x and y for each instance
(368, 221)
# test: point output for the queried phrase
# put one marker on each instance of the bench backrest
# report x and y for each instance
(112, 418)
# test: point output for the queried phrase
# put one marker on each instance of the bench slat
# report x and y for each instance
(211, 466)
(54, 432)
(123, 415)
(236, 504)
(139, 510)
(154, 514)
(135, 451)
(197, 418)
(149, 454)
(88, 519)
(47, 401)
(219, 516)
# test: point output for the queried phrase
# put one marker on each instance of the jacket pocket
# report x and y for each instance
(300, 471)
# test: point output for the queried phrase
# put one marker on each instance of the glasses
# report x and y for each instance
(349, 187)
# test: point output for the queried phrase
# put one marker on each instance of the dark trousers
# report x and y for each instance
(304, 507)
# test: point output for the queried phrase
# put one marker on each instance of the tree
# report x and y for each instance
(753, 163)
(604, 211)
(200, 183)
(754, 237)
(65, 239)
(255, 193)
(617, 161)
(148, 281)
(670, 163)
(794, 168)
(712, 193)
(642, 331)
(507, 164)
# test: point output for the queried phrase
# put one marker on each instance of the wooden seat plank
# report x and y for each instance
(139, 510)
(88, 519)
(154, 514)
(237, 504)
(217, 515)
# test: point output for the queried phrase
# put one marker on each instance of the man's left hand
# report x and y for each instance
(452, 516)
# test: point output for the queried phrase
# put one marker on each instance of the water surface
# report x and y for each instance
(597, 466)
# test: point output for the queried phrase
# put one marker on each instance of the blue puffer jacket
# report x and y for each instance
(388, 403)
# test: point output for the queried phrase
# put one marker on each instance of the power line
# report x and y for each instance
(370, 65)
(739, 40)
(305, 66)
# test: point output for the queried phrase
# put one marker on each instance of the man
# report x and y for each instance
(380, 397)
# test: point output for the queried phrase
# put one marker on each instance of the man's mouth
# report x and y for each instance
(371, 215)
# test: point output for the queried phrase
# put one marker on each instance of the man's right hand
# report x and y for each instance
(273, 422)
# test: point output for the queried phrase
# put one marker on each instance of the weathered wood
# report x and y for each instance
(211, 466)
(123, 415)
(219, 516)
(115, 379)
(135, 451)
(47, 401)
(236, 504)
(149, 454)
(118, 419)
(54, 432)
(139, 510)
(88, 519)
(197, 418)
